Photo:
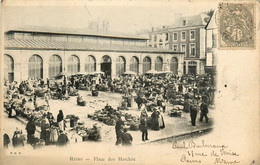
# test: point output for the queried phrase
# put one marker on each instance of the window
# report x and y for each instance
(166, 37)
(175, 36)
(192, 50)
(134, 64)
(146, 64)
(158, 64)
(184, 23)
(35, 67)
(175, 47)
(90, 63)
(73, 64)
(183, 49)
(192, 35)
(174, 65)
(120, 65)
(55, 65)
(183, 35)
(214, 41)
(155, 37)
(9, 68)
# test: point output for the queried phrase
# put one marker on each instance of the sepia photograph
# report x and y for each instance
(129, 82)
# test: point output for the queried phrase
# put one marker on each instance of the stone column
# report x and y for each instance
(18, 71)
(64, 61)
(82, 64)
(98, 66)
(187, 66)
(113, 68)
(180, 66)
(45, 66)
(152, 64)
(140, 68)
(127, 65)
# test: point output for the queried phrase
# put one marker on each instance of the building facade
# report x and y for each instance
(211, 45)
(34, 53)
(187, 35)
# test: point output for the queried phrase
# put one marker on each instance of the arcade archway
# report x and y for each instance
(106, 63)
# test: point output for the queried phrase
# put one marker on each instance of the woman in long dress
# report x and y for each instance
(161, 121)
(54, 134)
(133, 103)
(45, 130)
(155, 121)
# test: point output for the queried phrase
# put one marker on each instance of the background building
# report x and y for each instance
(44, 53)
(187, 35)
(211, 44)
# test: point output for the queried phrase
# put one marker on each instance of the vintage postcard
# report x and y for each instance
(129, 82)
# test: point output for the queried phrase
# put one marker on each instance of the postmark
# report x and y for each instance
(236, 26)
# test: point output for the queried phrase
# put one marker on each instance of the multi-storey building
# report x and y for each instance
(186, 35)
(44, 53)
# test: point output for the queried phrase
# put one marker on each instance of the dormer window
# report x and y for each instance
(184, 22)
(166, 36)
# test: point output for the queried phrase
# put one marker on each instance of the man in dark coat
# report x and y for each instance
(127, 138)
(139, 101)
(62, 139)
(204, 111)
(118, 127)
(193, 114)
(48, 83)
(30, 128)
(143, 129)
(180, 88)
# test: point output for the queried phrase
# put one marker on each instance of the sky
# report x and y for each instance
(122, 18)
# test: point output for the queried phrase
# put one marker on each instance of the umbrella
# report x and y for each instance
(97, 72)
(60, 75)
(152, 72)
(129, 73)
(167, 71)
(82, 73)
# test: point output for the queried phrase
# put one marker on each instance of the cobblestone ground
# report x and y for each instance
(174, 125)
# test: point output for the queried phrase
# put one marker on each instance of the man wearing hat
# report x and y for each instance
(193, 114)
(204, 111)
(94, 133)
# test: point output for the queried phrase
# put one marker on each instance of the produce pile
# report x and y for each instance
(109, 116)
(176, 111)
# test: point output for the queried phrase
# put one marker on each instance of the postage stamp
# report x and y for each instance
(236, 26)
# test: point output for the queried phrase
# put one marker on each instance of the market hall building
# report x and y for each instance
(41, 53)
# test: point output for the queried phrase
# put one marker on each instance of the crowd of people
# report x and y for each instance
(146, 93)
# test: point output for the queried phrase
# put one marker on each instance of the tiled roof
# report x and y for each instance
(196, 20)
(191, 21)
(70, 31)
(81, 46)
